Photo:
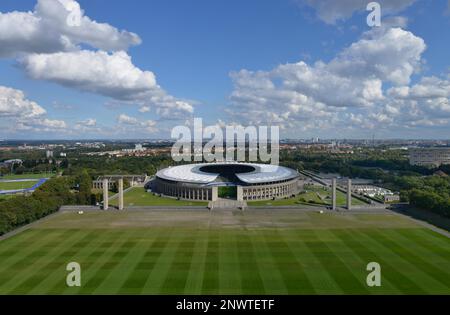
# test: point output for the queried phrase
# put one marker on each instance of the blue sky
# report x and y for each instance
(228, 62)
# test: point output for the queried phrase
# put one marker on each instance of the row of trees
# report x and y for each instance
(102, 165)
(430, 200)
(430, 193)
(47, 199)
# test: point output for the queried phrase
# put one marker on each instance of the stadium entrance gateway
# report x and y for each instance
(227, 192)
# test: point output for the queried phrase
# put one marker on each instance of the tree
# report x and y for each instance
(84, 190)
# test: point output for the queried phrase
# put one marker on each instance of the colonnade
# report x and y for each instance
(270, 191)
(209, 193)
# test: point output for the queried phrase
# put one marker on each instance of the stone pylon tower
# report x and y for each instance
(333, 194)
(349, 194)
(120, 187)
(105, 194)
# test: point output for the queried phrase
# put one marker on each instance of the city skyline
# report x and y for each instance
(313, 68)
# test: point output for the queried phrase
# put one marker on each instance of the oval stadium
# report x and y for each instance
(228, 180)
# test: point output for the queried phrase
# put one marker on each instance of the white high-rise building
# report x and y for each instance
(138, 147)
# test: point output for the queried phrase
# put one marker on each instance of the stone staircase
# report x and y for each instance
(227, 204)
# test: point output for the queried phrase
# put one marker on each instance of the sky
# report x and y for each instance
(99, 69)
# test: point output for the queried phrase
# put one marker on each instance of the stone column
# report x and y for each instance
(105, 194)
(120, 184)
(215, 193)
(333, 193)
(349, 194)
(240, 193)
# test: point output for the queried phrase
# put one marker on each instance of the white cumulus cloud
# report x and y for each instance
(109, 74)
(57, 42)
(58, 25)
(366, 86)
(14, 104)
(125, 121)
(19, 113)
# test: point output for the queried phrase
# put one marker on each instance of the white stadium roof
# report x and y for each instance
(191, 173)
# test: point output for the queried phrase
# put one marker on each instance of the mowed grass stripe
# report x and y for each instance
(92, 262)
(399, 272)
(292, 270)
(32, 243)
(438, 239)
(421, 264)
(106, 263)
(53, 274)
(210, 283)
(432, 253)
(341, 273)
(27, 270)
(84, 257)
(124, 260)
(53, 264)
(161, 269)
(176, 279)
(270, 274)
(117, 265)
(424, 239)
(251, 280)
(349, 257)
(23, 266)
(390, 280)
(8, 247)
(305, 284)
(194, 280)
(138, 277)
(229, 268)
(321, 279)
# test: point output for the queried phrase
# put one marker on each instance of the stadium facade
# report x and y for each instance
(240, 181)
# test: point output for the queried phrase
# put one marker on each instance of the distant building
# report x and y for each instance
(138, 147)
(49, 154)
(10, 163)
(429, 157)
(391, 198)
(15, 161)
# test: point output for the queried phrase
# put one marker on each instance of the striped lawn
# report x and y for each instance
(223, 259)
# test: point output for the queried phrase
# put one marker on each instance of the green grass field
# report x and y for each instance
(16, 185)
(29, 176)
(224, 252)
(139, 197)
(312, 195)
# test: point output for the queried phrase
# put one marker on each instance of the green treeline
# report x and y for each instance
(47, 199)
(430, 193)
